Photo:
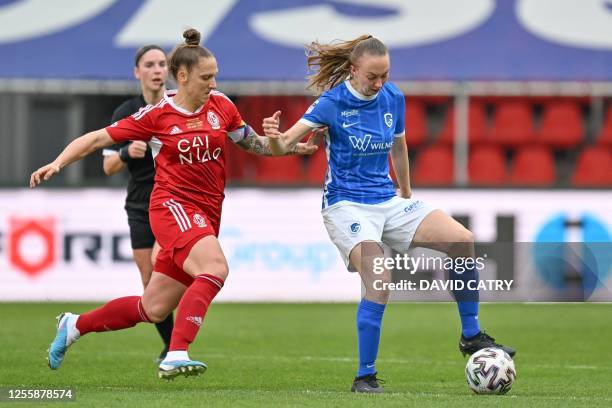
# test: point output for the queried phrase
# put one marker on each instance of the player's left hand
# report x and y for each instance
(313, 142)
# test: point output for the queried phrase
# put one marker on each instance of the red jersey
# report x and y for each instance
(188, 147)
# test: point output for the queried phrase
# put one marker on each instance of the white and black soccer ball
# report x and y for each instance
(490, 371)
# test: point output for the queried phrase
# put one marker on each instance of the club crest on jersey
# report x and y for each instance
(355, 227)
(213, 120)
(388, 119)
(199, 220)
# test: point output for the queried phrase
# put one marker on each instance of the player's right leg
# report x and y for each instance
(205, 262)
(356, 231)
(145, 249)
(369, 314)
(159, 299)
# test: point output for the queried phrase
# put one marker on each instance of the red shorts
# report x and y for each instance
(178, 225)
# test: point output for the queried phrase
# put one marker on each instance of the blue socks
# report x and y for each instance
(369, 320)
(467, 302)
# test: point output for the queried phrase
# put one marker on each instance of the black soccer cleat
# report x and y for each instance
(469, 346)
(367, 384)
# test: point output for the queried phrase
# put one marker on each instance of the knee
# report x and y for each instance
(218, 268)
(156, 313)
(462, 243)
(463, 236)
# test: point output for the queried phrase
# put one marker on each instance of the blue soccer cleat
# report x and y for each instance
(67, 334)
(168, 370)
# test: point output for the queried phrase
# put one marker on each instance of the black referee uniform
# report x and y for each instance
(140, 184)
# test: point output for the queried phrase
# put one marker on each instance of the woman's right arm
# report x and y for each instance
(76, 150)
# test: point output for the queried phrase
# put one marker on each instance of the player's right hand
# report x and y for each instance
(271, 125)
(137, 149)
(44, 173)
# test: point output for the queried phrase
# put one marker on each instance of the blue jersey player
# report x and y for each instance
(364, 114)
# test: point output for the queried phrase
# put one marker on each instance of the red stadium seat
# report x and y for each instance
(487, 166)
(533, 166)
(279, 170)
(593, 167)
(293, 108)
(316, 167)
(254, 109)
(562, 126)
(605, 135)
(236, 162)
(434, 166)
(416, 123)
(477, 125)
(512, 125)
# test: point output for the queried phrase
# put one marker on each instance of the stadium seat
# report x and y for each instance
(477, 125)
(605, 134)
(434, 166)
(293, 108)
(533, 166)
(487, 166)
(416, 123)
(562, 126)
(593, 167)
(254, 109)
(316, 167)
(236, 161)
(279, 170)
(512, 125)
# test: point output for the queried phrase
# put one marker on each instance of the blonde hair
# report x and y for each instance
(332, 62)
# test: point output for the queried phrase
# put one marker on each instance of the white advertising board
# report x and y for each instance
(70, 245)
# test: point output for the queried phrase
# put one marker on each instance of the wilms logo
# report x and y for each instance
(360, 143)
(363, 143)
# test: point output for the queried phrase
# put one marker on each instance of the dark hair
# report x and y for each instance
(144, 49)
(189, 53)
(334, 60)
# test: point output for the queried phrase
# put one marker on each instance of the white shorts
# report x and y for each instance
(393, 222)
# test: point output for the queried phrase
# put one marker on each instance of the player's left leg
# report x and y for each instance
(202, 259)
(441, 232)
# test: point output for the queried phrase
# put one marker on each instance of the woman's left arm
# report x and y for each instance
(399, 158)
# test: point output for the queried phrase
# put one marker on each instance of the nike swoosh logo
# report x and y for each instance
(369, 365)
(348, 125)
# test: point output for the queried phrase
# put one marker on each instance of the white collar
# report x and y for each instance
(358, 94)
(170, 99)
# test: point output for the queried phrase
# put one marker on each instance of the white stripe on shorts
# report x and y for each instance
(179, 215)
(181, 210)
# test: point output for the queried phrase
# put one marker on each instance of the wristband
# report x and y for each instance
(124, 154)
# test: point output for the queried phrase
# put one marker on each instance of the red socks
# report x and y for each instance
(117, 314)
(128, 311)
(192, 309)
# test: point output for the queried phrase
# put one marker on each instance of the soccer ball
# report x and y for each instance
(490, 371)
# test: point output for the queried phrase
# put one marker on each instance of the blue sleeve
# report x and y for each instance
(400, 123)
(321, 113)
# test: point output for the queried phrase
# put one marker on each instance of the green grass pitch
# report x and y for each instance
(305, 355)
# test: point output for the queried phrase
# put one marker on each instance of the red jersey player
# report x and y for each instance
(187, 131)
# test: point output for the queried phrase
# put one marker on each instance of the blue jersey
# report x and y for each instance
(362, 130)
